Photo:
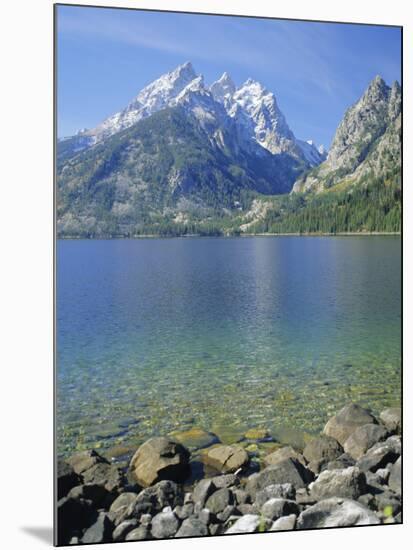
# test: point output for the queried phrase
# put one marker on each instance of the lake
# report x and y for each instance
(155, 335)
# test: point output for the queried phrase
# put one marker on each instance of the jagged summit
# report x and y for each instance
(251, 110)
(367, 140)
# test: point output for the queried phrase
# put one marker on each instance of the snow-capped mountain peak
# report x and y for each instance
(223, 89)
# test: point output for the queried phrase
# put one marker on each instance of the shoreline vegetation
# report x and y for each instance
(242, 235)
(350, 474)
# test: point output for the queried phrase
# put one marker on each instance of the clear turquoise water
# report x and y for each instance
(155, 335)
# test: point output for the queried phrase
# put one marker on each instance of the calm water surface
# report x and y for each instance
(162, 334)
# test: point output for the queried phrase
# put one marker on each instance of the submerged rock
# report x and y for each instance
(346, 421)
(195, 438)
(159, 459)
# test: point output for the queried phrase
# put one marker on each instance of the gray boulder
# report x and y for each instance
(218, 501)
(336, 512)
(97, 494)
(123, 529)
(285, 523)
(122, 506)
(192, 527)
(84, 460)
(164, 525)
(249, 523)
(341, 462)
(348, 419)
(278, 507)
(159, 459)
(392, 419)
(100, 531)
(363, 438)
(202, 491)
(289, 470)
(322, 449)
(379, 456)
(348, 483)
(154, 499)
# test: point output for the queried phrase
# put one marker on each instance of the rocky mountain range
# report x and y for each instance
(183, 152)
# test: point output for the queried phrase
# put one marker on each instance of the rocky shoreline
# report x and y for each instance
(348, 475)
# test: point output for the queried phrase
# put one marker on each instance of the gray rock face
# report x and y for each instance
(226, 458)
(278, 507)
(289, 470)
(281, 454)
(348, 483)
(100, 531)
(246, 524)
(285, 523)
(367, 140)
(336, 512)
(392, 419)
(281, 490)
(192, 527)
(217, 502)
(322, 449)
(346, 421)
(159, 459)
(395, 478)
(164, 525)
(363, 438)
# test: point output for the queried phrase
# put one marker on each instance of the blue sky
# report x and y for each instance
(316, 70)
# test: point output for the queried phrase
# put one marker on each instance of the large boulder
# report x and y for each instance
(289, 470)
(219, 500)
(336, 512)
(278, 507)
(192, 527)
(159, 459)
(121, 507)
(164, 525)
(285, 523)
(348, 483)
(281, 454)
(226, 458)
(392, 419)
(67, 478)
(363, 438)
(380, 455)
(100, 531)
(249, 523)
(155, 498)
(348, 419)
(322, 449)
